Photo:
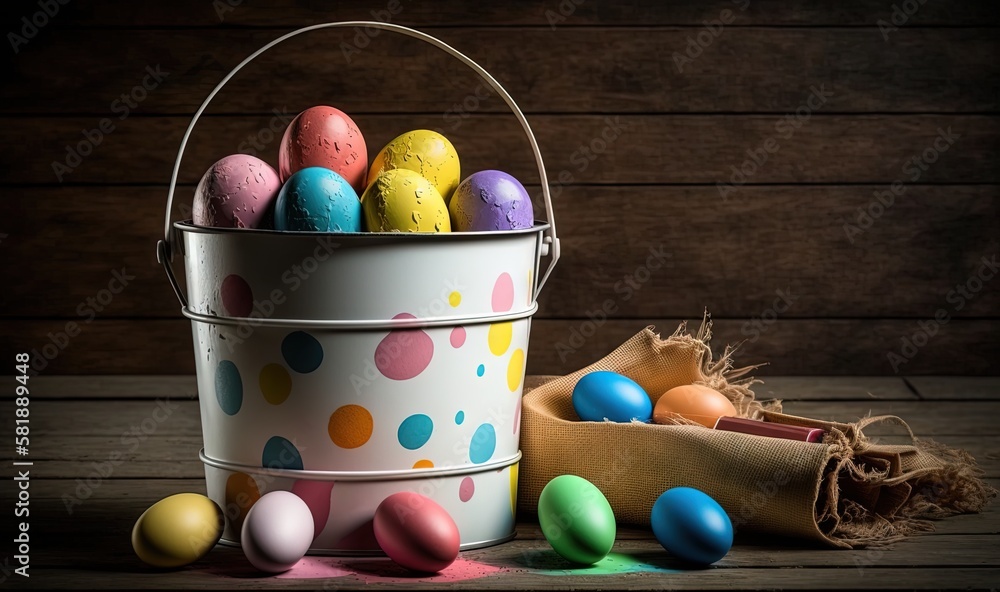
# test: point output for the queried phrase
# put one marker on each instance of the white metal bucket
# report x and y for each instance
(408, 377)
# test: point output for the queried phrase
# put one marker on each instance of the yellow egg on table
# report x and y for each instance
(424, 152)
(177, 530)
(401, 200)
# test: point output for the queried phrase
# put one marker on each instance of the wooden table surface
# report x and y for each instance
(80, 522)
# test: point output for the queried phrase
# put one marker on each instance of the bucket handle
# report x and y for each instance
(550, 242)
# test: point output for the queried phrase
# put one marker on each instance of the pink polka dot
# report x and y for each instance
(503, 293)
(316, 495)
(457, 336)
(466, 489)
(404, 353)
(237, 297)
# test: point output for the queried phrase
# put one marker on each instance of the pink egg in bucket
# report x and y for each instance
(346, 392)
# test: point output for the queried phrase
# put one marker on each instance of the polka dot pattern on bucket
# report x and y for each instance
(513, 489)
(228, 387)
(415, 431)
(503, 293)
(404, 353)
(484, 443)
(280, 453)
(241, 494)
(351, 426)
(316, 495)
(298, 364)
(466, 489)
(458, 337)
(515, 369)
(237, 299)
(302, 352)
(275, 383)
(499, 337)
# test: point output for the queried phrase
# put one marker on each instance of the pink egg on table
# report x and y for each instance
(325, 137)
(415, 532)
(238, 191)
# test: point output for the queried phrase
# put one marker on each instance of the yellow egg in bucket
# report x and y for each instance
(424, 152)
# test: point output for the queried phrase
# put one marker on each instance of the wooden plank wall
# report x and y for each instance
(645, 115)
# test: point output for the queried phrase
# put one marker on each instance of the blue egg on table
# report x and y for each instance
(607, 395)
(317, 199)
(692, 525)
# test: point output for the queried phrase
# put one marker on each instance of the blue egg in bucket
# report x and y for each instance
(317, 199)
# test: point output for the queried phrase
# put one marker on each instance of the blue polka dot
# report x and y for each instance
(415, 431)
(279, 453)
(460, 417)
(480, 370)
(302, 352)
(228, 387)
(484, 443)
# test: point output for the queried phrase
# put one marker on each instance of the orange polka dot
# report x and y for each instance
(351, 426)
(241, 494)
(423, 464)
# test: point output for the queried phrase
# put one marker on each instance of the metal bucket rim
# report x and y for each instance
(190, 226)
(361, 324)
(365, 476)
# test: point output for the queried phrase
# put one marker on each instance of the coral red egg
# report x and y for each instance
(415, 532)
(325, 137)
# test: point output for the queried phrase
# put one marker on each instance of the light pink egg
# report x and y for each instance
(416, 532)
(238, 191)
(277, 531)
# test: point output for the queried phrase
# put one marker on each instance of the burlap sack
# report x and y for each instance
(846, 492)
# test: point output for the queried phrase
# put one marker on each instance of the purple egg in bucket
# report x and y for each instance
(490, 200)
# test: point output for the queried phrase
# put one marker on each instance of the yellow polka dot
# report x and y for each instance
(423, 464)
(513, 489)
(515, 369)
(275, 383)
(499, 337)
(454, 299)
(350, 426)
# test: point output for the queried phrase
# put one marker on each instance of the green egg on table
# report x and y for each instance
(177, 530)
(576, 519)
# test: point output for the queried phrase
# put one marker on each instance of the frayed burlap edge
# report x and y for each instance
(875, 494)
(863, 493)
